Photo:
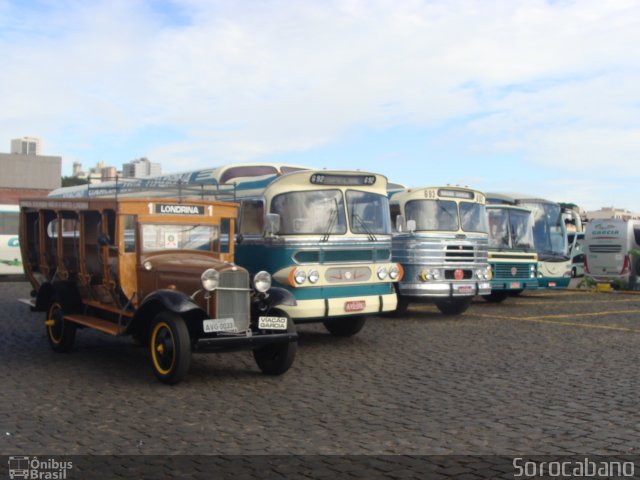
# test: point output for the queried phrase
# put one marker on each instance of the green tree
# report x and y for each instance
(72, 181)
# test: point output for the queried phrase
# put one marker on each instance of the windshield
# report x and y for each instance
(510, 228)
(549, 234)
(311, 212)
(157, 237)
(473, 217)
(368, 212)
(442, 215)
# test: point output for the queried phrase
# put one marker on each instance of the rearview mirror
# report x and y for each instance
(400, 226)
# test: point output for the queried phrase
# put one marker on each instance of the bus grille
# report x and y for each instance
(605, 248)
(505, 270)
(234, 303)
(459, 253)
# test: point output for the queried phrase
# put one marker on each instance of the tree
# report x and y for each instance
(72, 181)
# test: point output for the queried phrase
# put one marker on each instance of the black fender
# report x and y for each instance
(262, 303)
(172, 300)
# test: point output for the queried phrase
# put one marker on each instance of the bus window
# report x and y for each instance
(311, 212)
(252, 217)
(473, 217)
(367, 212)
(636, 233)
(433, 215)
(222, 245)
(247, 171)
(129, 229)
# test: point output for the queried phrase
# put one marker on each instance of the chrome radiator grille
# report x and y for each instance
(233, 298)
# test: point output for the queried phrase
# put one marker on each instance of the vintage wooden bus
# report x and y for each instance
(159, 269)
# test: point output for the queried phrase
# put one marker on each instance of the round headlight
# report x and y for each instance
(314, 276)
(382, 273)
(262, 281)
(394, 272)
(479, 274)
(210, 279)
(300, 276)
(435, 274)
(147, 265)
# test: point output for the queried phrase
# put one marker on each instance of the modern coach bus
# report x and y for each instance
(10, 260)
(441, 241)
(511, 253)
(326, 237)
(611, 251)
(549, 237)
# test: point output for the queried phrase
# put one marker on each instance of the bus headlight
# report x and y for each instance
(394, 272)
(210, 279)
(300, 276)
(262, 281)
(430, 274)
(314, 276)
(382, 273)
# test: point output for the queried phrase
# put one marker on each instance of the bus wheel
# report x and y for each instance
(170, 347)
(403, 306)
(345, 327)
(61, 333)
(454, 307)
(277, 358)
(495, 297)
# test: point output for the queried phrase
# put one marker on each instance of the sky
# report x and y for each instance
(538, 97)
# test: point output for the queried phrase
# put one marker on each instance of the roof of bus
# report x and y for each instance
(102, 202)
(508, 207)
(303, 180)
(513, 197)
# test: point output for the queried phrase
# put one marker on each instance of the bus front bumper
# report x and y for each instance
(319, 309)
(444, 289)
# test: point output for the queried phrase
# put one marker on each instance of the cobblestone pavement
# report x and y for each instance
(543, 373)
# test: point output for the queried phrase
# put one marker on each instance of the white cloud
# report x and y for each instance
(554, 82)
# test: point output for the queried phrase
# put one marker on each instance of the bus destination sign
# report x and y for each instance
(178, 209)
(334, 179)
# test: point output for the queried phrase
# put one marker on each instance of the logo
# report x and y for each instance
(458, 274)
(514, 271)
(36, 469)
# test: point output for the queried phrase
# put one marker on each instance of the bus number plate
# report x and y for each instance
(272, 323)
(354, 306)
(465, 289)
(553, 284)
(514, 285)
(219, 325)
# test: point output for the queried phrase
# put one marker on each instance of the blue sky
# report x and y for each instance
(535, 96)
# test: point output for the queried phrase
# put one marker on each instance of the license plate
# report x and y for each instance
(514, 285)
(354, 305)
(219, 325)
(553, 284)
(465, 289)
(272, 323)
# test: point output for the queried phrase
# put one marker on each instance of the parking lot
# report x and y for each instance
(543, 373)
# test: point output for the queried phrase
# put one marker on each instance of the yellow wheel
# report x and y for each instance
(170, 347)
(60, 333)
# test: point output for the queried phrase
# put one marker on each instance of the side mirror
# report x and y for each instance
(400, 226)
(411, 226)
(272, 224)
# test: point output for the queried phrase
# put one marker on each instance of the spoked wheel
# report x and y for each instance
(277, 358)
(496, 297)
(170, 347)
(346, 326)
(61, 333)
(454, 307)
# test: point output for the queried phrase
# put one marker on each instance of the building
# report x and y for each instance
(25, 146)
(27, 174)
(611, 212)
(98, 174)
(141, 167)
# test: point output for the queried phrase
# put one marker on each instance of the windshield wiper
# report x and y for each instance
(370, 235)
(333, 217)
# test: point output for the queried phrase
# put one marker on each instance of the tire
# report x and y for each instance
(170, 347)
(60, 333)
(276, 359)
(496, 297)
(402, 307)
(345, 326)
(454, 307)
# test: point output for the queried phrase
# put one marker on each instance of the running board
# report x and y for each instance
(96, 323)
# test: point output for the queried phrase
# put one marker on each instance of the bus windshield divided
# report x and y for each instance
(322, 212)
(510, 229)
(443, 216)
(549, 234)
